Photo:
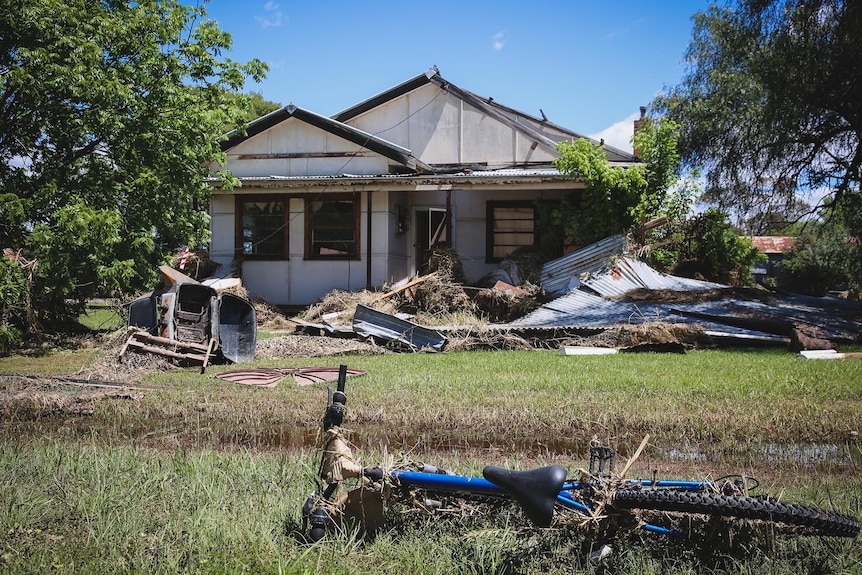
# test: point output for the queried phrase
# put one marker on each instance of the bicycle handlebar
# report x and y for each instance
(336, 403)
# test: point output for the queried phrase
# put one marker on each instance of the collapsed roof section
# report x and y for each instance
(600, 287)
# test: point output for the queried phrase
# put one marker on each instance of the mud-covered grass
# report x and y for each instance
(177, 471)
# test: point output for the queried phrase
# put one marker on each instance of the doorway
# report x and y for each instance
(430, 231)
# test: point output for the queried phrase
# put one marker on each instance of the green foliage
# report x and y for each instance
(257, 106)
(116, 108)
(252, 106)
(769, 105)
(712, 248)
(824, 257)
(607, 204)
(13, 303)
(79, 245)
(616, 198)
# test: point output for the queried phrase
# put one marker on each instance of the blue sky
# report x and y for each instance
(589, 65)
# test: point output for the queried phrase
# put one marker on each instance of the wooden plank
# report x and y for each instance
(408, 285)
(171, 342)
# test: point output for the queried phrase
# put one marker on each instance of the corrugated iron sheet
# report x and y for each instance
(624, 274)
(369, 322)
(563, 274)
(828, 318)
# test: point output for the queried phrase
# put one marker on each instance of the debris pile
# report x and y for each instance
(193, 322)
(599, 296)
(194, 263)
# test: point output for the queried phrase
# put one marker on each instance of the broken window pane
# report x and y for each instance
(263, 228)
(332, 229)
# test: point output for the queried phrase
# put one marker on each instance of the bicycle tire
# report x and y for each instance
(821, 521)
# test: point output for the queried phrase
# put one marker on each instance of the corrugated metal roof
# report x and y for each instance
(624, 274)
(563, 274)
(580, 310)
(407, 179)
(829, 318)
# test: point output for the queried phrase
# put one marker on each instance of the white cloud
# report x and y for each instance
(620, 134)
(273, 17)
(499, 41)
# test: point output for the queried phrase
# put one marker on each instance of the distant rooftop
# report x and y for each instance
(773, 244)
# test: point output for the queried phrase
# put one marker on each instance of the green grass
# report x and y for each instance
(102, 318)
(202, 475)
(89, 509)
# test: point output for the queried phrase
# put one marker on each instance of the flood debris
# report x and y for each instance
(370, 323)
(38, 396)
(601, 295)
(828, 354)
(190, 321)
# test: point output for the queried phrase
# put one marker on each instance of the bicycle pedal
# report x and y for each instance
(601, 461)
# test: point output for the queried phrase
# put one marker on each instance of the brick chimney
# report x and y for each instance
(638, 123)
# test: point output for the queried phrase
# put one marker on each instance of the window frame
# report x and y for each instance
(490, 221)
(353, 198)
(241, 201)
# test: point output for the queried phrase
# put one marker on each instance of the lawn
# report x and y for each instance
(189, 473)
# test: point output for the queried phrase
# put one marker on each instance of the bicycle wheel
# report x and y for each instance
(819, 520)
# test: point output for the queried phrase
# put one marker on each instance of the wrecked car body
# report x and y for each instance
(189, 320)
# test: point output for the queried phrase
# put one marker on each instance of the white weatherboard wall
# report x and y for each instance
(475, 150)
(297, 281)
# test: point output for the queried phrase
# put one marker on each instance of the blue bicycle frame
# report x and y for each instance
(565, 498)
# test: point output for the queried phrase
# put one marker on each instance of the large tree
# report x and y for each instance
(110, 112)
(771, 104)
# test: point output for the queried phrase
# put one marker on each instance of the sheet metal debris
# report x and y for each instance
(563, 274)
(624, 273)
(369, 322)
(597, 299)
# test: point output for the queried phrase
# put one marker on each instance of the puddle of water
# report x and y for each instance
(303, 437)
(773, 453)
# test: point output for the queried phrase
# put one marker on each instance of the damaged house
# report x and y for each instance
(356, 200)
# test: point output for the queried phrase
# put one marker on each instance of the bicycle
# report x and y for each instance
(598, 497)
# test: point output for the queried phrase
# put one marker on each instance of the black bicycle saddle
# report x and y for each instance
(535, 490)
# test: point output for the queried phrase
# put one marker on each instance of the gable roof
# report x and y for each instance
(504, 114)
(360, 138)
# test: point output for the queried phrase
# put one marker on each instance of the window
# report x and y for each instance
(262, 227)
(510, 225)
(332, 227)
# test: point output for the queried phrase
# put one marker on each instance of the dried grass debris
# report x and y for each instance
(268, 316)
(467, 339)
(314, 346)
(439, 296)
(196, 264)
(645, 334)
(40, 396)
(446, 262)
(502, 307)
(344, 303)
